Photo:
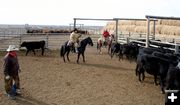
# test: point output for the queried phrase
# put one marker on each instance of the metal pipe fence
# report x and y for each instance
(55, 40)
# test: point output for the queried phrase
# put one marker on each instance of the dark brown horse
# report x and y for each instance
(65, 49)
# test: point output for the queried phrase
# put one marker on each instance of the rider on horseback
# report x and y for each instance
(106, 36)
(74, 39)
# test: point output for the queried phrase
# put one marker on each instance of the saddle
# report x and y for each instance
(71, 46)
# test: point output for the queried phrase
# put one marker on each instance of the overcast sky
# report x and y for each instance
(62, 12)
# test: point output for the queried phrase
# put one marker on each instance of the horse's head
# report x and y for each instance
(90, 42)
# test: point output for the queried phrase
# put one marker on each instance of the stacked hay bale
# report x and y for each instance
(165, 27)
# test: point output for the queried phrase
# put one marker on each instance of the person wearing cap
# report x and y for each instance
(11, 71)
(74, 39)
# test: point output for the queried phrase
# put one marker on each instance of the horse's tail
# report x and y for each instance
(62, 51)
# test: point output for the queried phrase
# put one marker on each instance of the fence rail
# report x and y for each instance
(53, 40)
(141, 41)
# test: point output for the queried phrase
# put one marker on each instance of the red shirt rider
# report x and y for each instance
(106, 33)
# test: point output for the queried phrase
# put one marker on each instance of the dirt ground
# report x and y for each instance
(47, 80)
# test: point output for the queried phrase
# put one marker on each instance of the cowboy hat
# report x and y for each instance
(12, 48)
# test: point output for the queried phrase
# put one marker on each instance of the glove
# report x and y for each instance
(7, 77)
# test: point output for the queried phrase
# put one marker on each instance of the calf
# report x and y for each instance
(34, 45)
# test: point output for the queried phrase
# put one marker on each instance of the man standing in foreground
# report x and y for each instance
(11, 72)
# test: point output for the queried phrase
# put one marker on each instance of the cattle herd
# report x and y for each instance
(162, 63)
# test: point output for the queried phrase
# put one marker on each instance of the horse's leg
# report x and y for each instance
(63, 56)
(78, 58)
(83, 57)
(109, 47)
(97, 46)
(63, 53)
(105, 44)
(64, 59)
(68, 55)
(100, 47)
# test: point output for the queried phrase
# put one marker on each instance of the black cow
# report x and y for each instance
(172, 79)
(34, 45)
(150, 50)
(116, 48)
(130, 50)
(156, 64)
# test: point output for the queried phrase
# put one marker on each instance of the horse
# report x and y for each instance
(65, 49)
(107, 43)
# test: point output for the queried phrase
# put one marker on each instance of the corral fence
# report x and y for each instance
(168, 43)
(53, 40)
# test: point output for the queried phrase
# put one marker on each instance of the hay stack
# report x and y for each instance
(167, 27)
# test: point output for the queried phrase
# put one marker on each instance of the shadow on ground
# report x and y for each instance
(20, 100)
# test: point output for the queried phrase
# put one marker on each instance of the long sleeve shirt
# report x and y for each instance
(11, 65)
(74, 37)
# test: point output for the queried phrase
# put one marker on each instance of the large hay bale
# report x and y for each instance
(170, 22)
(141, 23)
(168, 30)
(140, 29)
(167, 27)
